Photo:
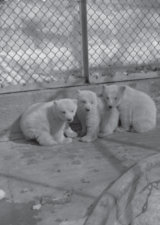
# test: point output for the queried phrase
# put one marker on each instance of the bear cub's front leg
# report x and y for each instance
(89, 137)
(91, 132)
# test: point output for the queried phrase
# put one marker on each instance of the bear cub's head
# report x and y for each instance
(65, 108)
(87, 100)
(113, 95)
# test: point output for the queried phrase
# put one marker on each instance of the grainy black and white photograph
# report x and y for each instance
(79, 112)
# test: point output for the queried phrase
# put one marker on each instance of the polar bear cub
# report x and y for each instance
(137, 109)
(48, 122)
(96, 118)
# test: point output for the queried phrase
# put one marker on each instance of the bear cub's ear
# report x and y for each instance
(79, 91)
(122, 89)
(55, 102)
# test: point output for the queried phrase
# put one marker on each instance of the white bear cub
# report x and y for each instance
(137, 109)
(96, 118)
(48, 122)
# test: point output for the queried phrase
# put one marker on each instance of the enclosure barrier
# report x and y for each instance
(46, 43)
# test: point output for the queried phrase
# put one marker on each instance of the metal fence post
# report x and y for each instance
(83, 14)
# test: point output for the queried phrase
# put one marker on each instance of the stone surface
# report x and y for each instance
(66, 179)
(132, 199)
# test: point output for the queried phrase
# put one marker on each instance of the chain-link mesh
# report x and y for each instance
(39, 41)
(123, 34)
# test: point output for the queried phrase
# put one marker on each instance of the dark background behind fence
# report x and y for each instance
(41, 40)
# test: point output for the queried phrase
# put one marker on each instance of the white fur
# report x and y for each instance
(96, 119)
(48, 122)
(137, 109)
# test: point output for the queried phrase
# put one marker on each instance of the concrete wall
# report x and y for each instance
(14, 104)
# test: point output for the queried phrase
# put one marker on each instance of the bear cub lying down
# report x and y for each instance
(48, 122)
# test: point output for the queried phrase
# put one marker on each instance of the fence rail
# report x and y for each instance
(46, 43)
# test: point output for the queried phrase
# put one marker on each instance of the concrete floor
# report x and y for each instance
(65, 179)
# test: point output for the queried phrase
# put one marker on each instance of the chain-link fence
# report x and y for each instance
(40, 40)
(123, 35)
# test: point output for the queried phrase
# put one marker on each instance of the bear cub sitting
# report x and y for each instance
(48, 122)
(96, 118)
(137, 109)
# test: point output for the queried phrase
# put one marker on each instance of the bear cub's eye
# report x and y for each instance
(115, 98)
(63, 112)
(83, 101)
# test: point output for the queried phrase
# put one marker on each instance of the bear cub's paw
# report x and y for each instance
(120, 130)
(70, 133)
(67, 141)
(102, 134)
(46, 139)
(88, 139)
